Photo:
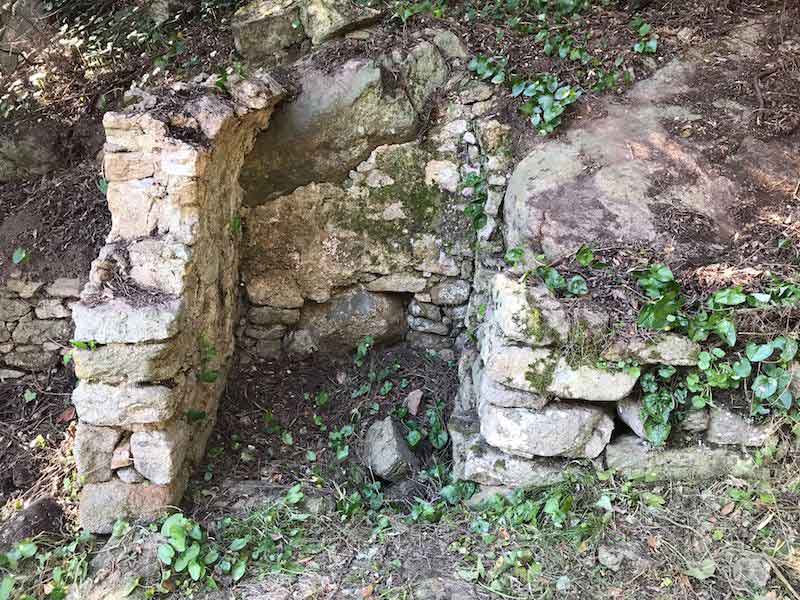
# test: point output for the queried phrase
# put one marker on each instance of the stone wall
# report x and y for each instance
(533, 398)
(371, 236)
(35, 324)
(159, 309)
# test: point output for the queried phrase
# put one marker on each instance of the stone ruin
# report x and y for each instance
(250, 225)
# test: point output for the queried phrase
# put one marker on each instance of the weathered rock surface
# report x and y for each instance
(636, 459)
(346, 319)
(325, 19)
(25, 154)
(664, 348)
(726, 427)
(386, 452)
(559, 429)
(158, 455)
(266, 30)
(124, 405)
(475, 460)
(557, 200)
(313, 138)
(629, 411)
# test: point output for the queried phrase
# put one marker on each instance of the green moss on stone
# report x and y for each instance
(540, 374)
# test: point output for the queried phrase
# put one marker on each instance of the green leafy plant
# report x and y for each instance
(491, 68)
(363, 350)
(648, 42)
(546, 99)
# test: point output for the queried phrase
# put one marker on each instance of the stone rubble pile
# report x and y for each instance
(159, 309)
(528, 404)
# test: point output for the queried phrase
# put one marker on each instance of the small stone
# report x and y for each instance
(666, 349)
(469, 138)
(492, 135)
(630, 411)
(65, 288)
(37, 331)
(274, 290)
(266, 29)
(444, 174)
(608, 559)
(130, 475)
(476, 91)
(45, 516)
(413, 401)
(122, 455)
(275, 332)
(451, 293)
(8, 374)
(12, 309)
(94, 447)
(726, 427)
(387, 453)
(267, 315)
(563, 584)
(428, 341)
(695, 421)
(447, 355)
(752, 571)
(300, 343)
(51, 308)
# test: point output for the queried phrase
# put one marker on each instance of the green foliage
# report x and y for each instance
(19, 256)
(474, 210)
(407, 9)
(647, 43)
(208, 354)
(338, 440)
(363, 350)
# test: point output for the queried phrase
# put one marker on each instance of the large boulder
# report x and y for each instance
(337, 118)
(268, 30)
(603, 183)
(325, 19)
(340, 324)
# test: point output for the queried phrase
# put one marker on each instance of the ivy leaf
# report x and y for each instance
(742, 368)
(195, 570)
(414, 437)
(19, 256)
(238, 570)
(577, 286)
(702, 570)
(584, 256)
(729, 297)
(764, 386)
(451, 494)
(726, 330)
(657, 433)
(759, 353)
(789, 350)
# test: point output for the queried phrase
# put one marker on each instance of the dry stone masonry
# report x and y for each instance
(35, 325)
(158, 313)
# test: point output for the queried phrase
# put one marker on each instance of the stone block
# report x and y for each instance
(428, 341)
(65, 288)
(130, 363)
(37, 331)
(634, 458)
(398, 282)
(125, 405)
(428, 326)
(160, 265)
(559, 429)
(159, 455)
(386, 452)
(475, 460)
(325, 19)
(666, 349)
(23, 287)
(425, 310)
(51, 308)
(265, 30)
(94, 448)
(125, 166)
(528, 314)
(102, 504)
(451, 293)
(31, 358)
(117, 321)
(12, 309)
(267, 315)
(728, 428)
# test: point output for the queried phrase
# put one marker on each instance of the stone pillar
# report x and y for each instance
(158, 313)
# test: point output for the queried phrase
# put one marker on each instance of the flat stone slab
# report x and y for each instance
(636, 459)
(118, 322)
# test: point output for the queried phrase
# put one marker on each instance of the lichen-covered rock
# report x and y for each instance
(267, 315)
(695, 421)
(475, 460)
(386, 452)
(528, 314)
(451, 293)
(425, 72)
(118, 321)
(635, 458)
(629, 411)
(312, 138)
(325, 19)
(559, 429)
(348, 318)
(36, 331)
(726, 427)
(266, 30)
(13, 309)
(398, 282)
(94, 447)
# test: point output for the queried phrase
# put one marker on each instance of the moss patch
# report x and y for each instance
(540, 374)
